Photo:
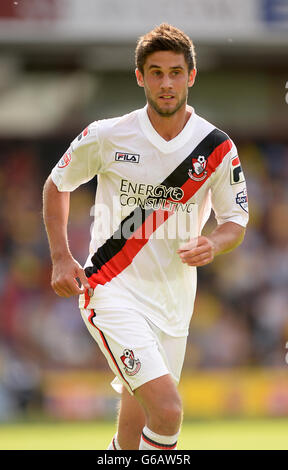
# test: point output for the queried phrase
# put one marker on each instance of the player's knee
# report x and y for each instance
(168, 416)
(172, 413)
(162, 404)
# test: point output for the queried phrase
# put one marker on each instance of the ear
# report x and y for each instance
(192, 76)
(139, 78)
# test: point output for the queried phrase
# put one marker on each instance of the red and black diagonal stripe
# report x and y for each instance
(118, 251)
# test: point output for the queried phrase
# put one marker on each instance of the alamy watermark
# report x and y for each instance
(161, 219)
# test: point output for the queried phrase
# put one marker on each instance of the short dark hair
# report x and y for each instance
(165, 38)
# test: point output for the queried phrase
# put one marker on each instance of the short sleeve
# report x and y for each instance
(229, 192)
(81, 162)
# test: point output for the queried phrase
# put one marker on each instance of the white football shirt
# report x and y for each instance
(152, 195)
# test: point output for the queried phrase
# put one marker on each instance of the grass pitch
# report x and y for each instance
(270, 434)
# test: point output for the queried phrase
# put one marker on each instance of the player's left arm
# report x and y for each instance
(201, 250)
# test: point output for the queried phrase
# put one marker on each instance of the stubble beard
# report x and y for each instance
(169, 112)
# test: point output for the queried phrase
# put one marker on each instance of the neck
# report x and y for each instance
(169, 127)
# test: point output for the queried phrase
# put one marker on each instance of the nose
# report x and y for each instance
(166, 82)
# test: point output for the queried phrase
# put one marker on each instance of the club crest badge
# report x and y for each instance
(198, 171)
(65, 160)
(132, 365)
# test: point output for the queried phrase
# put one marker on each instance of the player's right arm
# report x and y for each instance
(81, 162)
(65, 269)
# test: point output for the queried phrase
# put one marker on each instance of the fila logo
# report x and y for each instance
(127, 157)
(236, 172)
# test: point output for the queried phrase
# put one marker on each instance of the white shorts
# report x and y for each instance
(136, 350)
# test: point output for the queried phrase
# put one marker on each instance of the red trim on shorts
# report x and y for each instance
(87, 298)
(106, 345)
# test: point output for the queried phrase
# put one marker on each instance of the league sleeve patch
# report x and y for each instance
(65, 160)
(80, 139)
(83, 134)
(236, 172)
(242, 200)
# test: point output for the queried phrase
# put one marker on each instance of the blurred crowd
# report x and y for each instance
(240, 317)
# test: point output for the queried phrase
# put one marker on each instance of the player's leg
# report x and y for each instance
(153, 413)
(160, 397)
(145, 372)
(163, 408)
(131, 421)
(151, 417)
(162, 404)
(131, 418)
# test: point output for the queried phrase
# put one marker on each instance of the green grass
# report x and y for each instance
(251, 434)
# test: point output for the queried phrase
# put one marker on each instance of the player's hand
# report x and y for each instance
(198, 251)
(66, 274)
